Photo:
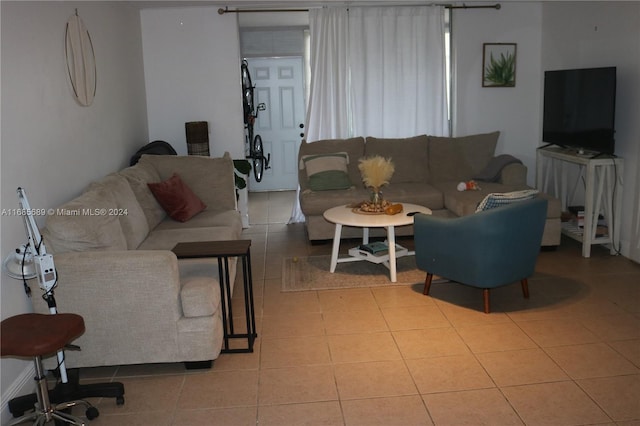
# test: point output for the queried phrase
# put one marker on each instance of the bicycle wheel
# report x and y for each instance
(247, 92)
(258, 158)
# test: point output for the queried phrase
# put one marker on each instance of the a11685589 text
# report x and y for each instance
(65, 212)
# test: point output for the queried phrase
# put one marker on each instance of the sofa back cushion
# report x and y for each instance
(130, 214)
(409, 157)
(354, 148)
(211, 179)
(138, 176)
(460, 158)
(85, 223)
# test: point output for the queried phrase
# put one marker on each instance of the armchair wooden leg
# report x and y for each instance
(525, 288)
(487, 305)
(427, 284)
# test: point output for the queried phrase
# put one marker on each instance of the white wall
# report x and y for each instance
(550, 35)
(266, 20)
(192, 73)
(603, 34)
(514, 111)
(50, 145)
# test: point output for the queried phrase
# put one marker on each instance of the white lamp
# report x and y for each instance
(31, 260)
(20, 264)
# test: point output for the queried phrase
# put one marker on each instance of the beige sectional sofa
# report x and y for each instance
(427, 172)
(112, 250)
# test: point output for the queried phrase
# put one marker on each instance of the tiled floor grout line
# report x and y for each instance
(569, 377)
(406, 366)
(271, 243)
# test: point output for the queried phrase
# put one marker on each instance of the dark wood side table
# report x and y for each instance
(223, 250)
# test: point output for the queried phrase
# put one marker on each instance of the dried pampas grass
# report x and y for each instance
(376, 171)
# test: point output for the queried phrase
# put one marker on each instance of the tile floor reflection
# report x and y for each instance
(570, 355)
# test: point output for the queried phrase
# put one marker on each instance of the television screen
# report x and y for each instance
(579, 108)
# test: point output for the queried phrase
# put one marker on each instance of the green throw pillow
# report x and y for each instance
(327, 171)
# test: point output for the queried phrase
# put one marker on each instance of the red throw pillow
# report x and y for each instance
(176, 198)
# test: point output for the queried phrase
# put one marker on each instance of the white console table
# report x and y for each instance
(603, 192)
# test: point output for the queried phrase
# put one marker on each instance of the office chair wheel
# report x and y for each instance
(34, 335)
(120, 400)
(92, 413)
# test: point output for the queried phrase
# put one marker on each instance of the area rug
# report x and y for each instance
(312, 273)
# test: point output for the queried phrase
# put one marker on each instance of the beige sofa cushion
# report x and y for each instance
(460, 158)
(138, 176)
(206, 219)
(198, 297)
(130, 214)
(166, 239)
(85, 223)
(314, 203)
(420, 193)
(463, 203)
(200, 290)
(409, 156)
(211, 179)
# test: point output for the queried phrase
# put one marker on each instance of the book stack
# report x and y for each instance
(577, 213)
(377, 248)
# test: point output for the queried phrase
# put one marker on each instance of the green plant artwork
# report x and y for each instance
(499, 69)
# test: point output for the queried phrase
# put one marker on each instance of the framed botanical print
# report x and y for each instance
(499, 65)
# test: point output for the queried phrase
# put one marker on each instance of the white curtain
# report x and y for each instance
(328, 110)
(376, 71)
(398, 69)
(328, 107)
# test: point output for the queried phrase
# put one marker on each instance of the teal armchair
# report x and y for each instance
(488, 249)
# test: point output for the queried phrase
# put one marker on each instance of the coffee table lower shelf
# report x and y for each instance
(356, 254)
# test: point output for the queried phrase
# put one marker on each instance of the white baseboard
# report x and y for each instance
(22, 385)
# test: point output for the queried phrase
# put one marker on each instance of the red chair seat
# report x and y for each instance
(32, 335)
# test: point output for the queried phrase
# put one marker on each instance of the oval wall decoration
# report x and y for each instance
(81, 60)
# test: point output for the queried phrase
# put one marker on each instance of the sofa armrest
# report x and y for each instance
(514, 175)
(126, 275)
(125, 297)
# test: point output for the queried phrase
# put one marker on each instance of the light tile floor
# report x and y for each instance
(570, 355)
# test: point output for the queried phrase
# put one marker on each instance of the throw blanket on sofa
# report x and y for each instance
(491, 173)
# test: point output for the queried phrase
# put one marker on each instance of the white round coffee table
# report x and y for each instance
(345, 216)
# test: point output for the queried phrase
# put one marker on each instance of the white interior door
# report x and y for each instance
(279, 84)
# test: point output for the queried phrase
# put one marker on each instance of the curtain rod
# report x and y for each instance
(222, 11)
(496, 6)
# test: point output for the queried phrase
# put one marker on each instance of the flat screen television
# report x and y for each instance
(579, 109)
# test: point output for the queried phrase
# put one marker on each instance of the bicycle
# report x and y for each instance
(256, 154)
